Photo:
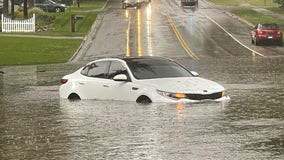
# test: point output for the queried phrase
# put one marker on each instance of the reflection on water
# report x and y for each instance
(36, 124)
(124, 130)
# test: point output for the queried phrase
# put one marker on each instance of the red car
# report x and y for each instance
(269, 32)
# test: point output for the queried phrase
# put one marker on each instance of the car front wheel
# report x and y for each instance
(144, 100)
(57, 10)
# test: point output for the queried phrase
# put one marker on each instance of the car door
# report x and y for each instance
(120, 90)
(93, 86)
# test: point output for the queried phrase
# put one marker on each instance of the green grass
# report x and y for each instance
(261, 2)
(256, 17)
(225, 2)
(28, 51)
(87, 5)
(277, 10)
(253, 16)
(23, 51)
(62, 25)
(239, 2)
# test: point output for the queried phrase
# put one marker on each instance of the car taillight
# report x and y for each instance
(279, 32)
(260, 32)
(63, 81)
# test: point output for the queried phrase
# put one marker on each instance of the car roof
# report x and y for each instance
(268, 24)
(130, 58)
(144, 58)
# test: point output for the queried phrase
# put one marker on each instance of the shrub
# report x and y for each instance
(43, 19)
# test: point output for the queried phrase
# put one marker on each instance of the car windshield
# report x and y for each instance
(151, 68)
(269, 26)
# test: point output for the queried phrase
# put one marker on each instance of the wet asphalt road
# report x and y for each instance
(36, 124)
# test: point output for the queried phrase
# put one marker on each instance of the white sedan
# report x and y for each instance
(140, 79)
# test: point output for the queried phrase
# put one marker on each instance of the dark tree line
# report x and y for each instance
(280, 2)
(30, 3)
(18, 2)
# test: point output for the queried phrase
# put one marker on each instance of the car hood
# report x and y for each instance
(184, 85)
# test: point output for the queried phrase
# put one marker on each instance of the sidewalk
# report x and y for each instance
(40, 36)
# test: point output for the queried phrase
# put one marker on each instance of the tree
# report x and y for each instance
(25, 8)
(280, 2)
(5, 7)
(12, 8)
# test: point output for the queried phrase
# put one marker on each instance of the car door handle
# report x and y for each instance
(81, 83)
(134, 88)
(105, 85)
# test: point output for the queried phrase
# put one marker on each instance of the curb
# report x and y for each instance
(81, 50)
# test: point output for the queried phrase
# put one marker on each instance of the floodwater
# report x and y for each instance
(36, 124)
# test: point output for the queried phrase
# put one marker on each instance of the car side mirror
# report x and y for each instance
(195, 74)
(120, 77)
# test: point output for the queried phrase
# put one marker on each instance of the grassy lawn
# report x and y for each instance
(260, 2)
(22, 51)
(26, 51)
(238, 2)
(225, 2)
(62, 25)
(253, 16)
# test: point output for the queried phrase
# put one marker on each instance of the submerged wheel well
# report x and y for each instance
(143, 99)
(74, 96)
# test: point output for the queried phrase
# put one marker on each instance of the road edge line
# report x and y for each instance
(212, 20)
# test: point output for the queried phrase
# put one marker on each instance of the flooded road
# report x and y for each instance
(36, 124)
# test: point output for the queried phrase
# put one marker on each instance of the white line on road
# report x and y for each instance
(254, 52)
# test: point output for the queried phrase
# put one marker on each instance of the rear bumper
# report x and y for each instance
(270, 38)
(188, 3)
(131, 4)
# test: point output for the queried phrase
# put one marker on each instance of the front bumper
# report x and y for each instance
(163, 99)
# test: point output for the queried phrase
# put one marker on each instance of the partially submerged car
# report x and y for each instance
(50, 6)
(267, 32)
(189, 3)
(140, 79)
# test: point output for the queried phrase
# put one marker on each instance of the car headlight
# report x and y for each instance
(172, 95)
(223, 93)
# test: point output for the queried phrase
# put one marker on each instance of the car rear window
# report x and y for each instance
(269, 26)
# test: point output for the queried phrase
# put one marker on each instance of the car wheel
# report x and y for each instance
(57, 10)
(144, 100)
(74, 96)
(280, 43)
(256, 42)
